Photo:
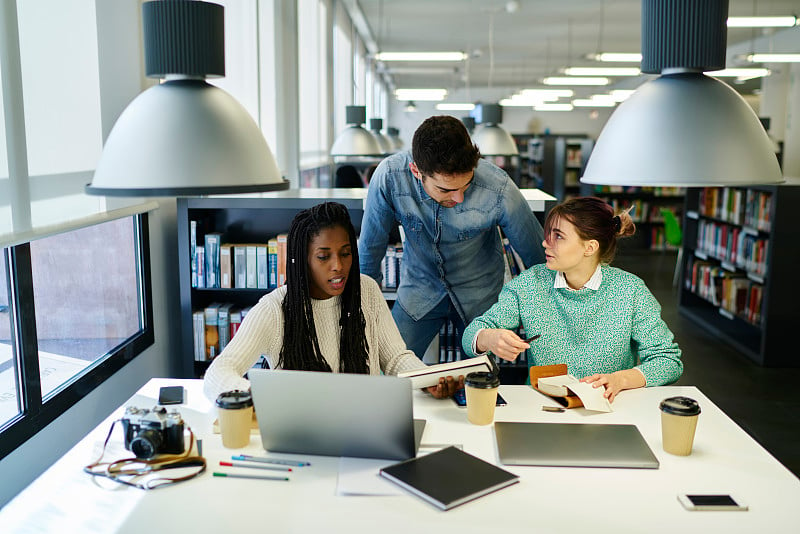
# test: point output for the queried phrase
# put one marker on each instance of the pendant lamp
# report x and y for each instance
(394, 137)
(491, 138)
(355, 140)
(469, 122)
(684, 128)
(184, 136)
(375, 125)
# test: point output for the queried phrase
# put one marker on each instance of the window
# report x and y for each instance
(82, 307)
(313, 95)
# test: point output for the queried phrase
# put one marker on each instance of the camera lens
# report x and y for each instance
(146, 444)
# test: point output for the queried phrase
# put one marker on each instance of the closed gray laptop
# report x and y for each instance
(573, 445)
(329, 414)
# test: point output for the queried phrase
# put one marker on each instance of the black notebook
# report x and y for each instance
(448, 477)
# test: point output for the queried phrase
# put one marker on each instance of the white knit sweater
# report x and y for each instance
(261, 332)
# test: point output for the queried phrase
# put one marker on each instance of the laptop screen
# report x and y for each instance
(304, 412)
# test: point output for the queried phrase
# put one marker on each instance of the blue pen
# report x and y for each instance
(269, 460)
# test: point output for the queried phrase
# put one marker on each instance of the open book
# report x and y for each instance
(430, 375)
(568, 390)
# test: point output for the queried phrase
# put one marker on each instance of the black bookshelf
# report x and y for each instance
(709, 248)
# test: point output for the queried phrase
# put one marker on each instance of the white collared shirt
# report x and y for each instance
(593, 282)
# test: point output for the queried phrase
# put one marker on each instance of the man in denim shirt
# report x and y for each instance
(450, 203)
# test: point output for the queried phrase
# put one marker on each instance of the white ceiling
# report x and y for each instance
(537, 40)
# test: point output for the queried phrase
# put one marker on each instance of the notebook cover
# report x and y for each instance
(448, 477)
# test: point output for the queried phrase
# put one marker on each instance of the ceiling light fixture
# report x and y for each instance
(773, 58)
(577, 80)
(491, 138)
(375, 125)
(683, 128)
(740, 73)
(355, 141)
(394, 137)
(420, 56)
(184, 136)
(762, 22)
(593, 103)
(547, 93)
(602, 71)
(617, 57)
(553, 107)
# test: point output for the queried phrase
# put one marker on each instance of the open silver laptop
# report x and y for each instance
(573, 445)
(329, 414)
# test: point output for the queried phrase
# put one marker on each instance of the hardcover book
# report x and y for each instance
(240, 265)
(448, 477)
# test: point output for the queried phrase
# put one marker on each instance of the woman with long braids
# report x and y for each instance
(601, 321)
(328, 317)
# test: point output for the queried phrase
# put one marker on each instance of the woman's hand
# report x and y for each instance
(616, 382)
(446, 387)
(503, 343)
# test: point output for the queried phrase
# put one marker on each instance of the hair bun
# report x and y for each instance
(616, 223)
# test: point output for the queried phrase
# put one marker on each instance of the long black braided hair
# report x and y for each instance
(300, 349)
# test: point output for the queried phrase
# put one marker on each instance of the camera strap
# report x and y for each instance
(130, 471)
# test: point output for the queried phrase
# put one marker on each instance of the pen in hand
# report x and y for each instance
(532, 338)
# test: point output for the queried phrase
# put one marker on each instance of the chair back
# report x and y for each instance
(672, 227)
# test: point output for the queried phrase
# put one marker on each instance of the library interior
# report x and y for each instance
(147, 208)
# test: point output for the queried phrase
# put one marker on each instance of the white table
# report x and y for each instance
(547, 499)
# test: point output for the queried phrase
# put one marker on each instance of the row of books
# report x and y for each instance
(237, 265)
(450, 349)
(658, 239)
(738, 206)
(732, 292)
(643, 211)
(213, 327)
(654, 191)
(734, 245)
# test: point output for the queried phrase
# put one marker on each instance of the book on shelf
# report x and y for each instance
(200, 263)
(240, 265)
(282, 245)
(251, 263)
(225, 266)
(199, 335)
(213, 240)
(448, 477)
(262, 267)
(193, 252)
(224, 325)
(430, 375)
(272, 259)
(235, 320)
(211, 331)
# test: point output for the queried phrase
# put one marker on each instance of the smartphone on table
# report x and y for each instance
(460, 398)
(708, 502)
(171, 395)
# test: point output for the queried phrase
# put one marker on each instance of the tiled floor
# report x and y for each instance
(763, 401)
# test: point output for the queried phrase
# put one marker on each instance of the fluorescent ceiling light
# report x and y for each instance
(618, 57)
(420, 94)
(742, 74)
(774, 58)
(421, 56)
(578, 80)
(553, 107)
(593, 103)
(547, 92)
(510, 102)
(762, 22)
(455, 106)
(419, 70)
(602, 71)
(622, 94)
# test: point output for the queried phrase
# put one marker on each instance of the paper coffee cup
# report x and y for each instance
(678, 423)
(481, 392)
(235, 411)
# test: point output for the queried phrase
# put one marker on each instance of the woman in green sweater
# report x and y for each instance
(601, 321)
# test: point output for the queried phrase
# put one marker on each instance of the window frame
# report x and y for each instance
(35, 414)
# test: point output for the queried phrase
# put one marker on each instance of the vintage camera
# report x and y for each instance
(151, 432)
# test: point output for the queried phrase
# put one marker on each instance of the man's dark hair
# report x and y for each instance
(300, 349)
(442, 145)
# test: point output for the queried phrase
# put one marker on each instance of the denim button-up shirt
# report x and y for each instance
(447, 251)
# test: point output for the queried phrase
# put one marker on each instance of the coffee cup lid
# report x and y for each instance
(233, 400)
(482, 380)
(680, 406)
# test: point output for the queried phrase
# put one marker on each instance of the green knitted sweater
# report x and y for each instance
(617, 327)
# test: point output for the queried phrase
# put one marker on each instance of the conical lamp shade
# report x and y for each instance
(492, 140)
(356, 141)
(185, 137)
(683, 130)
